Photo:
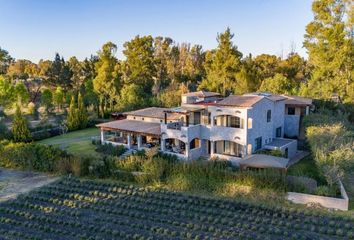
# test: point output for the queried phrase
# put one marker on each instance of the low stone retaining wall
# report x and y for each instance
(327, 202)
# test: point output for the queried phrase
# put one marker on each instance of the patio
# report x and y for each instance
(131, 134)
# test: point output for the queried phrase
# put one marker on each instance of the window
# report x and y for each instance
(228, 148)
(278, 132)
(229, 121)
(258, 142)
(142, 119)
(234, 122)
(133, 117)
(195, 143)
(291, 111)
(269, 115)
(209, 118)
(249, 123)
(160, 121)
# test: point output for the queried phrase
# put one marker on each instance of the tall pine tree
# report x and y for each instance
(82, 113)
(72, 119)
(106, 83)
(221, 65)
(329, 43)
(20, 129)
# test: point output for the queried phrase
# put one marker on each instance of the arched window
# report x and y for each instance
(229, 121)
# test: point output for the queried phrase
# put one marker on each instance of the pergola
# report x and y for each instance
(126, 129)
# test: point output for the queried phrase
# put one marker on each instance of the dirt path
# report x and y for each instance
(14, 182)
(300, 155)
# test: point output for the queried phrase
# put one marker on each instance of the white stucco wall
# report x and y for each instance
(278, 117)
(260, 126)
(146, 119)
(255, 116)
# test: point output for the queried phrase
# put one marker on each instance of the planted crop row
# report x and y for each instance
(85, 209)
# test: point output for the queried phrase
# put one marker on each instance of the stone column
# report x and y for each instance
(186, 150)
(307, 110)
(140, 142)
(129, 140)
(163, 144)
(102, 136)
(212, 151)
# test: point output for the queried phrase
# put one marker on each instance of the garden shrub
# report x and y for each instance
(43, 133)
(276, 153)
(30, 156)
(326, 191)
(5, 133)
(109, 149)
(331, 139)
(130, 163)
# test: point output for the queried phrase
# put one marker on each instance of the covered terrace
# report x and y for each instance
(130, 133)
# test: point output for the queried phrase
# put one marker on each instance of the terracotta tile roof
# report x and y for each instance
(202, 94)
(296, 100)
(240, 101)
(154, 112)
(270, 96)
(133, 126)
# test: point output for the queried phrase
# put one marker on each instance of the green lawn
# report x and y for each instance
(77, 142)
(306, 167)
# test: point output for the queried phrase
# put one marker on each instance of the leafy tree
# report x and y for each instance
(44, 66)
(221, 65)
(5, 60)
(294, 67)
(59, 97)
(59, 74)
(267, 65)
(185, 63)
(78, 73)
(171, 96)
(20, 69)
(161, 56)
(278, 84)
(21, 93)
(6, 92)
(247, 79)
(20, 129)
(106, 84)
(88, 68)
(90, 97)
(47, 99)
(139, 66)
(329, 42)
(132, 96)
(82, 113)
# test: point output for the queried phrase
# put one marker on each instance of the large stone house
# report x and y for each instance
(207, 125)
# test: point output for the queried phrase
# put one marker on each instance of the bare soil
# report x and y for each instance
(15, 182)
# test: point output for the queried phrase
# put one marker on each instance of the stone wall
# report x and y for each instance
(327, 202)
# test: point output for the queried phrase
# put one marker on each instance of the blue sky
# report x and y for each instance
(37, 29)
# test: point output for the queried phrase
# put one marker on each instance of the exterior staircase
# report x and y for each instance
(127, 153)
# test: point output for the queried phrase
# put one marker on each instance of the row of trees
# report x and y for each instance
(157, 70)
